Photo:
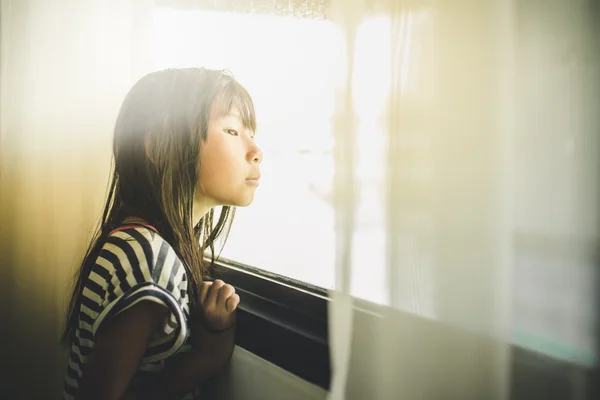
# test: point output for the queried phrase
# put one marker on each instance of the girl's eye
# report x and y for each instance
(231, 132)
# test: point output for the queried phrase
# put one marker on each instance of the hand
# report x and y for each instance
(218, 302)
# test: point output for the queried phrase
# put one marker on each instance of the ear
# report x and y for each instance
(148, 149)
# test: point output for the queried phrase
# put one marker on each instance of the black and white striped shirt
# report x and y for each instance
(135, 264)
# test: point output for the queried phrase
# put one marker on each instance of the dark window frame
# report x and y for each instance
(284, 321)
(281, 320)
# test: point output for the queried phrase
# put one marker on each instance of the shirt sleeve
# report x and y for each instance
(144, 267)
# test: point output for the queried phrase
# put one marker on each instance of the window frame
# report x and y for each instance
(284, 322)
(281, 320)
(320, 9)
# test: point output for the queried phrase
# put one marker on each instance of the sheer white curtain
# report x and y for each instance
(65, 67)
(464, 123)
(466, 152)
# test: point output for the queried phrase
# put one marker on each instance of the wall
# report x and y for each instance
(250, 377)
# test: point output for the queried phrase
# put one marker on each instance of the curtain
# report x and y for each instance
(65, 68)
(490, 195)
(466, 180)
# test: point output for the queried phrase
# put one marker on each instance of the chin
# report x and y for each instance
(240, 202)
(243, 198)
(245, 203)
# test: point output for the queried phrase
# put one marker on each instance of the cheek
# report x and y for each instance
(217, 168)
(208, 169)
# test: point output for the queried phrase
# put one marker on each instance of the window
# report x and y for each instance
(291, 76)
(289, 230)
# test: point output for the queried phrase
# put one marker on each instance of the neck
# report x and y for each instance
(200, 210)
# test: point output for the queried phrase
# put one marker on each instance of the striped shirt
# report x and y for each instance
(134, 264)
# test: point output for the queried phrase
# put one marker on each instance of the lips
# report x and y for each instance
(253, 180)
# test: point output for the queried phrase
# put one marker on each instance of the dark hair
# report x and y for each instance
(158, 134)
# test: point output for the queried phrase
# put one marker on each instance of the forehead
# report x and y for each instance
(233, 116)
(235, 102)
(233, 113)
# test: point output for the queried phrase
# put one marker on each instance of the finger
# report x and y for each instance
(204, 287)
(232, 302)
(226, 292)
(213, 292)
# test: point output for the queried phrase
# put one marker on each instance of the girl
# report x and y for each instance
(142, 322)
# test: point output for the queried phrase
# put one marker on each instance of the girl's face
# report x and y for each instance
(229, 166)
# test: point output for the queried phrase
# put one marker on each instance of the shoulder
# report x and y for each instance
(143, 254)
(136, 265)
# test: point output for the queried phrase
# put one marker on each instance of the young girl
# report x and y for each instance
(143, 323)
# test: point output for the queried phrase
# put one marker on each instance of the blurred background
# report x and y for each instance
(437, 157)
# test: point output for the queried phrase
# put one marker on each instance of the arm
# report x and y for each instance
(186, 370)
(210, 350)
(119, 345)
(122, 341)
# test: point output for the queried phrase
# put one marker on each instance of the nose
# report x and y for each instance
(255, 156)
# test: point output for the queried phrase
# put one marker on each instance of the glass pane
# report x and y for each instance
(290, 66)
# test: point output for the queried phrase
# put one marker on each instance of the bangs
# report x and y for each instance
(233, 95)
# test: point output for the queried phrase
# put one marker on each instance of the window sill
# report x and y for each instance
(285, 322)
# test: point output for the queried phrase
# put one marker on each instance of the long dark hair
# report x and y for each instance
(158, 134)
